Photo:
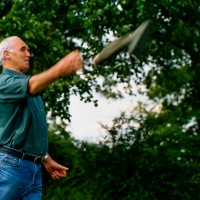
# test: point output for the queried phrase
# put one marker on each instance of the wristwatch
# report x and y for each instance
(45, 157)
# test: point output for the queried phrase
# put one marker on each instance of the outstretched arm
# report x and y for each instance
(66, 66)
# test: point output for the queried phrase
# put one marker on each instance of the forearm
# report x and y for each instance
(67, 65)
(40, 81)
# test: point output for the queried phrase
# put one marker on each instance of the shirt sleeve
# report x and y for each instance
(14, 88)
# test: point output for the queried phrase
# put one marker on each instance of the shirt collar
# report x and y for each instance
(12, 72)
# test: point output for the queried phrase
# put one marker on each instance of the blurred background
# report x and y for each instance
(147, 146)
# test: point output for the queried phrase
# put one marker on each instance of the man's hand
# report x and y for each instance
(71, 63)
(56, 170)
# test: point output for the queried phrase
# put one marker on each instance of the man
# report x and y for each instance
(23, 126)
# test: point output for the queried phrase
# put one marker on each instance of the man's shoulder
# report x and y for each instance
(8, 80)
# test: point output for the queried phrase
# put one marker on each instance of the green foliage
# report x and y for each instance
(127, 166)
(149, 154)
(54, 28)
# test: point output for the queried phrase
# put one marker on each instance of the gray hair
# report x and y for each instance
(6, 44)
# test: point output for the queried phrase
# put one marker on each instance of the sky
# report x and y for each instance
(86, 118)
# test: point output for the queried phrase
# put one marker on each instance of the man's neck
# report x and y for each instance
(12, 68)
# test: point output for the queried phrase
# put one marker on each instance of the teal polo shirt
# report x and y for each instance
(23, 124)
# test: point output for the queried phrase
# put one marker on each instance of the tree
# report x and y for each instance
(165, 140)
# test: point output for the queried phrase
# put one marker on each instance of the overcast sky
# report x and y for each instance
(86, 118)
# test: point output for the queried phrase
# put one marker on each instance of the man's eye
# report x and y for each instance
(24, 49)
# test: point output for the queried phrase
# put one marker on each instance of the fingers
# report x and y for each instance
(78, 64)
(76, 61)
(71, 63)
(56, 175)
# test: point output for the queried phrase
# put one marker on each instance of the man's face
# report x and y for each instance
(19, 58)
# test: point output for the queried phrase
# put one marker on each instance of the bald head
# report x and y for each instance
(14, 54)
(6, 44)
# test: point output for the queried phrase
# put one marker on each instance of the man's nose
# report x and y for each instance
(28, 53)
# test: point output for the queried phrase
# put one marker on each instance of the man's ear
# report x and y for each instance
(6, 55)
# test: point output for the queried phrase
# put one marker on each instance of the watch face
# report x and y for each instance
(46, 156)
